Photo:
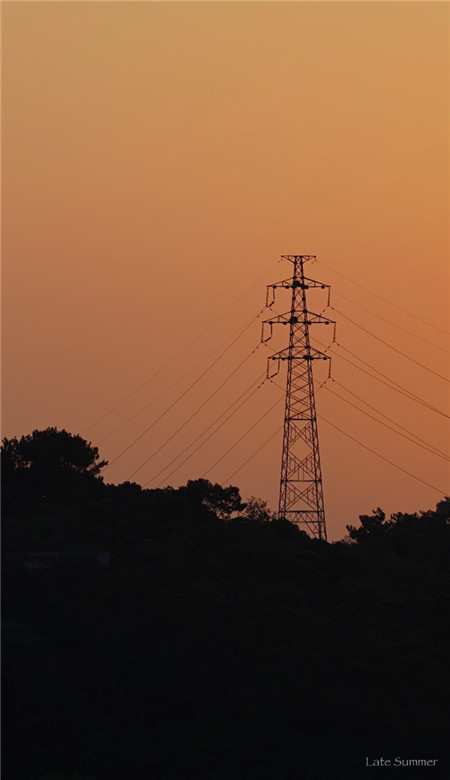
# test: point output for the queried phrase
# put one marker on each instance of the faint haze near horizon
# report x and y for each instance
(158, 159)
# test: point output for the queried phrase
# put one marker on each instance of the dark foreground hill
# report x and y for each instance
(178, 635)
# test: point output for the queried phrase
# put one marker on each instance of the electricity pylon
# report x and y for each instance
(301, 491)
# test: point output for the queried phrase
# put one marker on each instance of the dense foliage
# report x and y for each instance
(214, 642)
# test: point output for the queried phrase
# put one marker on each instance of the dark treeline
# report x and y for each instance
(183, 635)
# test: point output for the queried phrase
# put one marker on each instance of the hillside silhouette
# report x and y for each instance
(183, 634)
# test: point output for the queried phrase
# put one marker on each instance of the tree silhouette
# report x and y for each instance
(219, 643)
(372, 526)
(257, 511)
(52, 451)
(224, 502)
(48, 465)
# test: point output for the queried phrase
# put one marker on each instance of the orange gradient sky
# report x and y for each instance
(158, 159)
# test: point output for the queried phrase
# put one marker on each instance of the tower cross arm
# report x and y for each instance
(293, 284)
(302, 353)
(296, 258)
(315, 283)
(309, 318)
(317, 319)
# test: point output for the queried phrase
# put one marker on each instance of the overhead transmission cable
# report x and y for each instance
(277, 402)
(393, 324)
(213, 432)
(390, 428)
(427, 444)
(391, 384)
(166, 390)
(185, 392)
(438, 490)
(254, 387)
(261, 447)
(386, 343)
(348, 279)
(278, 430)
(321, 417)
(194, 414)
(182, 351)
(272, 436)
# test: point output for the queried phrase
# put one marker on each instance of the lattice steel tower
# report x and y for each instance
(301, 492)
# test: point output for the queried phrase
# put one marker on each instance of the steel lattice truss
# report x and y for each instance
(301, 492)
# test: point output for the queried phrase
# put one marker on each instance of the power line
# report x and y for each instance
(431, 446)
(438, 490)
(405, 311)
(185, 392)
(165, 391)
(278, 430)
(181, 352)
(368, 448)
(391, 384)
(389, 427)
(410, 333)
(251, 387)
(399, 352)
(278, 401)
(194, 414)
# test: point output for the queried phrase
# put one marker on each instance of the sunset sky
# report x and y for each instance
(158, 159)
